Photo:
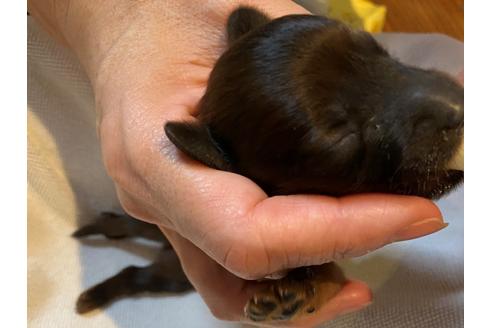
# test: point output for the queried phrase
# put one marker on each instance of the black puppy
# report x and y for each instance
(303, 104)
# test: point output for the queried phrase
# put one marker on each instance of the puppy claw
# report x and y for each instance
(301, 292)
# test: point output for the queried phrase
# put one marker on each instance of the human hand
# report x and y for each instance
(149, 62)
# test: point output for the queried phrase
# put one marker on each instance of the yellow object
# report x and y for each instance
(360, 14)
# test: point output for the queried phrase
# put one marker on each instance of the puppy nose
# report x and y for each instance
(442, 113)
(453, 116)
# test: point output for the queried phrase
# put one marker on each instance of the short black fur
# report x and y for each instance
(303, 104)
(164, 274)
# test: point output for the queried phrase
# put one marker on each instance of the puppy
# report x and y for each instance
(303, 104)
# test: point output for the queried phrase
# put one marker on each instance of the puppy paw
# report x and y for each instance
(89, 301)
(302, 292)
(281, 301)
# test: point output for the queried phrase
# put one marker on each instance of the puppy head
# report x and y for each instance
(305, 105)
(381, 125)
(425, 124)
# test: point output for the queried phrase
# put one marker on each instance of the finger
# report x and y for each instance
(354, 296)
(226, 295)
(232, 220)
(290, 231)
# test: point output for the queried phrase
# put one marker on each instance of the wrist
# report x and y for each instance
(89, 28)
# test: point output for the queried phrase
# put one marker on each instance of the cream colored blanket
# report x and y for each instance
(417, 283)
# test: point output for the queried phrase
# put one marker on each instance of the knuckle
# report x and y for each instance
(122, 163)
(129, 206)
(343, 249)
(234, 261)
(117, 171)
(246, 261)
(113, 152)
(134, 207)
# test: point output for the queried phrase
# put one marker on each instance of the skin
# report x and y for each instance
(148, 62)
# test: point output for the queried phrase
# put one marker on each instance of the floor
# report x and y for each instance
(442, 16)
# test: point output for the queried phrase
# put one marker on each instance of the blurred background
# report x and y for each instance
(415, 16)
(443, 16)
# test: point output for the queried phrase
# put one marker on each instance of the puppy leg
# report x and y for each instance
(164, 275)
(116, 226)
(301, 292)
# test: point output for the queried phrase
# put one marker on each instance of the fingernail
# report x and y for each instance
(277, 275)
(419, 229)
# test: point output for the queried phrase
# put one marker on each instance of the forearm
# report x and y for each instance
(45, 13)
(88, 27)
(95, 29)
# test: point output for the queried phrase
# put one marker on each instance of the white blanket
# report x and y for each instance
(417, 283)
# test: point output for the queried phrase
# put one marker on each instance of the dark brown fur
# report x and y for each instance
(164, 274)
(303, 104)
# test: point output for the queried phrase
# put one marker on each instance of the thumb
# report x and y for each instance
(290, 231)
(226, 295)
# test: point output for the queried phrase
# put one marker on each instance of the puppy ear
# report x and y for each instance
(194, 139)
(242, 20)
